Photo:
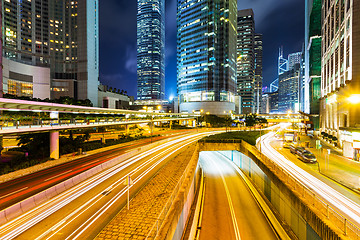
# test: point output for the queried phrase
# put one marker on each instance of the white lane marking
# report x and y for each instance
(48, 179)
(232, 211)
(14, 192)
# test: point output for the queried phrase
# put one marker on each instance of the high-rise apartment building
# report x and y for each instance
(150, 49)
(206, 55)
(246, 60)
(340, 74)
(258, 71)
(51, 44)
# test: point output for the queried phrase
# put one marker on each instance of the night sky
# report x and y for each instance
(280, 21)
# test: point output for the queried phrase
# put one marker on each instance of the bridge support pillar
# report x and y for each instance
(170, 124)
(127, 127)
(54, 145)
(1, 144)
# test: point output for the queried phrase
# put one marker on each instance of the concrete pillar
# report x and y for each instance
(127, 127)
(54, 145)
(170, 124)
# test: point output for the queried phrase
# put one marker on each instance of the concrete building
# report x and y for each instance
(59, 35)
(150, 49)
(265, 103)
(206, 55)
(112, 98)
(274, 102)
(340, 74)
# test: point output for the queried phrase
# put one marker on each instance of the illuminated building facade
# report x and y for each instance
(206, 55)
(293, 59)
(246, 60)
(289, 90)
(258, 71)
(340, 74)
(313, 60)
(61, 35)
(150, 49)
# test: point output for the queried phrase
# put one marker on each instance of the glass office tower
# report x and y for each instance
(206, 55)
(151, 49)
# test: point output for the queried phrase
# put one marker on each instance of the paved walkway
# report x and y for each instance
(146, 206)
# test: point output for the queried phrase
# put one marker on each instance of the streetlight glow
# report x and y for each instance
(354, 98)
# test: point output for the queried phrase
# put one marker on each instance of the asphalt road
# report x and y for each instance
(230, 211)
(21, 188)
(82, 211)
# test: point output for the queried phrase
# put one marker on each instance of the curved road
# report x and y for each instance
(21, 188)
(230, 211)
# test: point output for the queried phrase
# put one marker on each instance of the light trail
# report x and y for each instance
(228, 196)
(24, 222)
(336, 200)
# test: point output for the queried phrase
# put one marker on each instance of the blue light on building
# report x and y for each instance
(206, 55)
(150, 49)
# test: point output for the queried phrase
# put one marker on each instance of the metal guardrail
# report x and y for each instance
(347, 227)
(154, 231)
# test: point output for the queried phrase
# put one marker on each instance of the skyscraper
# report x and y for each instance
(246, 60)
(258, 71)
(150, 49)
(293, 59)
(206, 55)
(51, 48)
(340, 74)
(282, 62)
(313, 58)
(289, 90)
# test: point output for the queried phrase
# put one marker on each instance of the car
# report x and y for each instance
(296, 150)
(307, 157)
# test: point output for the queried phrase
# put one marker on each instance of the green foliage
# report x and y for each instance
(248, 136)
(37, 144)
(252, 119)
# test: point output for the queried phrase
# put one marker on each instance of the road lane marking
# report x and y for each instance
(48, 179)
(14, 192)
(232, 211)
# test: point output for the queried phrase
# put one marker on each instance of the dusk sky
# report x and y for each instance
(280, 21)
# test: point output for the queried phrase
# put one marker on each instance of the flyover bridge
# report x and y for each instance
(55, 123)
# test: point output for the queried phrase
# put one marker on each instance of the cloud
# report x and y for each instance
(130, 63)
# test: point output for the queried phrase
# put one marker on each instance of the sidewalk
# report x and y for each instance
(335, 166)
(146, 206)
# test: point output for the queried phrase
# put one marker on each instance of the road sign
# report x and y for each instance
(128, 181)
(318, 144)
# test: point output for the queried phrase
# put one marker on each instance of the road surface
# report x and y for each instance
(82, 211)
(230, 210)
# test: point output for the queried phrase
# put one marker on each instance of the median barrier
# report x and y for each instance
(13, 211)
(3, 219)
(28, 204)
(39, 198)
(51, 192)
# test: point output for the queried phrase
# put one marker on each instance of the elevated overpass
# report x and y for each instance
(107, 117)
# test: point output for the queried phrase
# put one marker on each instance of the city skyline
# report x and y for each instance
(273, 19)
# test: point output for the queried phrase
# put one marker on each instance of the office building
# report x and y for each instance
(258, 71)
(51, 48)
(293, 59)
(150, 49)
(289, 90)
(206, 55)
(340, 74)
(312, 72)
(274, 102)
(74, 49)
(282, 62)
(246, 60)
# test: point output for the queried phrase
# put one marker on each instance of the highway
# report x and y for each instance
(230, 210)
(342, 204)
(82, 211)
(21, 188)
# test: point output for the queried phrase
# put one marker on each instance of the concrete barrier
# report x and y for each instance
(176, 218)
(39, 198)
